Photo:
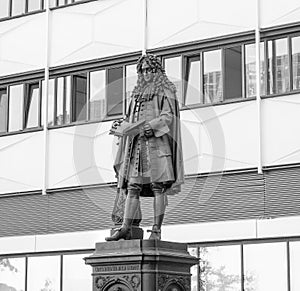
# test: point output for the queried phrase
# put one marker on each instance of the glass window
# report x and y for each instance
(61, 2)
(43, 273)
(194, 270)
(4, 8)
(192, 78)
(59, 119)
(296, 62)
(250, 70)
(213, 88)
(12, 274)
(278, 66)
(68, 95)
(115, 91)
(18, 7)
(173, 67)
(3, 109)
(220, 268)
(79, 110)
(16, 96)
(233, 72)
(34, 5)
(52, 3)
(295, 265)
(32, 104)
(51, 94)
(131, 81)
(97, 95)
(265, 267)
(76, 275)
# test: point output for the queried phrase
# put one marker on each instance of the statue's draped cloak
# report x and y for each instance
(173, 134)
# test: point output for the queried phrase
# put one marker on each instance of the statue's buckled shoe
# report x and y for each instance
(155, 233)
(121, 233)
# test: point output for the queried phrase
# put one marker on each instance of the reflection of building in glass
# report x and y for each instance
(213, 87)
(97, 109)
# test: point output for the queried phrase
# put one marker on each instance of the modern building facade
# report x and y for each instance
(66, 72)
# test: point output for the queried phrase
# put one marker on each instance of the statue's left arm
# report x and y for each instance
(160, 124)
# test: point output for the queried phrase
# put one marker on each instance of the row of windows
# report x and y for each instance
(45, 273)
(10, 8)
(229, 73)
(204, 77)
(248, 267)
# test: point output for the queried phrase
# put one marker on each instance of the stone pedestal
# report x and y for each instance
(141, 265)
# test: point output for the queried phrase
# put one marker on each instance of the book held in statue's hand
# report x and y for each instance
(128, 129)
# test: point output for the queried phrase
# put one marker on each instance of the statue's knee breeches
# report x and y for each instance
(134, 190)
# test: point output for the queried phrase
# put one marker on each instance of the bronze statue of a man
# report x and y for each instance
(149, 159)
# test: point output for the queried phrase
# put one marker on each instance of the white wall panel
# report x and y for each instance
(227, 137)
(96, 30)
(81, 155)
(21, 159)
(281, 127)
(279, 12)
(22, 44)
(172, 22)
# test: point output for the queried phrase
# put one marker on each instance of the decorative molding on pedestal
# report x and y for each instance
(141, 265)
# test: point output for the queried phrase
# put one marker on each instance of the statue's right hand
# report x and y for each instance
(116, 124)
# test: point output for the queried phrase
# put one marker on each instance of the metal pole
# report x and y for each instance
(45, 101)
(258, 91)
(145, 26)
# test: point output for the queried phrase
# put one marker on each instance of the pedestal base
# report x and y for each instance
(141, 265)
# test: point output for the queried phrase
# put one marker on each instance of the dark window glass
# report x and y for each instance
(4, 8)
(278, 66)
(97, 95)
(212, 78)
(233, 72)
(18, 7)
(32, 104)
(192, 78)
(250, 70)
(296, 62)
(115, 91)
(34, 5)
(79, 111)
(16, 95)
(3, 109)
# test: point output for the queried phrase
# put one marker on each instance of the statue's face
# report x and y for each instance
(147, 72)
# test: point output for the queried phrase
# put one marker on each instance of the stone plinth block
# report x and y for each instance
(141, 265)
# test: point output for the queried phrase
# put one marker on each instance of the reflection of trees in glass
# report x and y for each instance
(5, 264)
(217, 279)
(4, 287)
(48, 286)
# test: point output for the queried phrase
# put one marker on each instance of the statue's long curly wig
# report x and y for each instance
(160, 78)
